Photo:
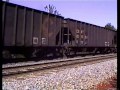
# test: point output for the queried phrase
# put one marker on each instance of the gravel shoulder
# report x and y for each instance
(76, 77)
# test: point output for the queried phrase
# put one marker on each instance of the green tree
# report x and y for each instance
(109, 26)
(51, 9)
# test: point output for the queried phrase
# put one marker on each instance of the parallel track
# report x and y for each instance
(10, 71)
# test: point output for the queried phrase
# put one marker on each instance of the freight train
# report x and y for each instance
(35, 33)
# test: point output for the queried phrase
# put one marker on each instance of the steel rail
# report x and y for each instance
(54, 64)
(50, 61)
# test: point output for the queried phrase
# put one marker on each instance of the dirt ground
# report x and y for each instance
(109, 84)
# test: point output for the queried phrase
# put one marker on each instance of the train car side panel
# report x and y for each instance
(3, 19)
(45, 20)
(81, 34)
(92, 36)
(105, 32)
(52, 26)
(98, 35)
(102, 38)
(37, 28)
(84, 29)
(92, 31)
(58, 33)
(20, 26)
(88, 37)
(71, 25)
(111, 38)
(77, 32)
(58, 25)
(10, 25)
(85, 35)
(95, 36)
(29, 27)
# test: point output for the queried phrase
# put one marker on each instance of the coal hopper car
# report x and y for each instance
(35, 33)
(29, 32)
(80, 36)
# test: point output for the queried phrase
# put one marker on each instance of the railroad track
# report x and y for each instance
(10, 71)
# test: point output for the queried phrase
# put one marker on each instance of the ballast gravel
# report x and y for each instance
(71, 78)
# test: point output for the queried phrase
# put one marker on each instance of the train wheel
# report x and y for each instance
(28, 54)
(6, 54)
